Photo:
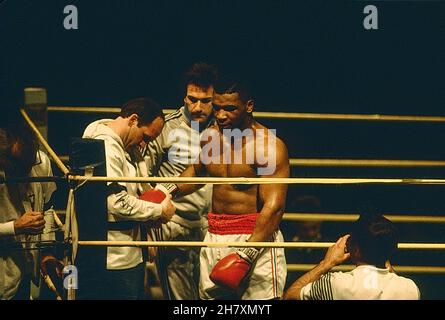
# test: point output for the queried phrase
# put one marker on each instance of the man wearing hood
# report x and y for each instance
(140, 120)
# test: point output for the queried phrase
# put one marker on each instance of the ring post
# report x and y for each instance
(87, 156)
(36, 103)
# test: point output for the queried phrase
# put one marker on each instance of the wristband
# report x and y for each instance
(249, 254)
(168, 188)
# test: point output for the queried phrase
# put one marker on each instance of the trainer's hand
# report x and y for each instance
(168, 209)
(30, 223)
(233, 268)
(337, 254)
(157, 196)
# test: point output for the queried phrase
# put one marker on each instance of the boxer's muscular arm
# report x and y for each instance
(273, 197)
(233, 268)
(197, 169)
(194, 170)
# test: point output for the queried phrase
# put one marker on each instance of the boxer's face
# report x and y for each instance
(139, 135)
(198, 100)
(230, 112)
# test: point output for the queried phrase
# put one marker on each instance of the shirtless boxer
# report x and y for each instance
(240, 212)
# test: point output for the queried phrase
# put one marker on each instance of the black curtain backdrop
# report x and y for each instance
(312, 56)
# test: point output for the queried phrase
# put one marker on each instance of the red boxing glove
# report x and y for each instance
(233, 268)
(153, 195)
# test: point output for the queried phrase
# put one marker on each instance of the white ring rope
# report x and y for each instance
(315, 245)
(246, 180)
(277, 115)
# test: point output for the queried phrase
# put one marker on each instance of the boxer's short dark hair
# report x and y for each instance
(228, 83)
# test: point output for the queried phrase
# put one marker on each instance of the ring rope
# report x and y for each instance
(314, 245)
(294, 162)
(246, 180)
(351, 217)
(83, 109)
(346, 217)
(45, 144)
(345, 268)
(278, 115)
(364, 163)
(237, 180)
(31, 179)
(344, 116)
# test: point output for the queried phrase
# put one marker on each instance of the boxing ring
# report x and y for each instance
(79, 180)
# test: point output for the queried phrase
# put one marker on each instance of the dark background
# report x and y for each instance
(312, 56)
(300, 56)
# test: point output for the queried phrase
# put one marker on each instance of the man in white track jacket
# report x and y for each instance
(140, 120)
(169, 155)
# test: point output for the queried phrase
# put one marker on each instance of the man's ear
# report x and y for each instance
(133, 119)
(250, 104)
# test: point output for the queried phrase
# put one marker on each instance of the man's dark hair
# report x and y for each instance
(201, 74)
(14, 123)
(14, 129)
(375, 236)
(233, 84)
(146, 109)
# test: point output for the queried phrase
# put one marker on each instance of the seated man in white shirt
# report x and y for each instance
(25, 214)
(370, 245)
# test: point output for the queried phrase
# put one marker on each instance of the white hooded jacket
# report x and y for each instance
(123, 205)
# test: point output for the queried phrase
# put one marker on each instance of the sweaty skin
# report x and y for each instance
(266, 199)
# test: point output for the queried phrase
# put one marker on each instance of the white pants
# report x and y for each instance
(265, 281)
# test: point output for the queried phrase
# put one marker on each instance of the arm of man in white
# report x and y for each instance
(152, 154)
(316, 284)
(120, 202)
(7, 229)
